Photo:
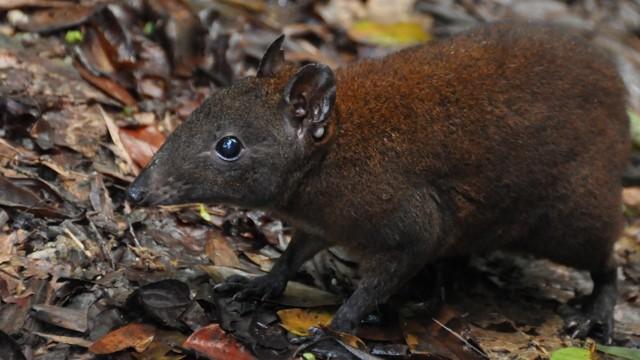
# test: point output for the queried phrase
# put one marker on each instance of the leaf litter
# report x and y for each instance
(89, 92)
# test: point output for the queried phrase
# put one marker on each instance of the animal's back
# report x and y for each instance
(516, 127)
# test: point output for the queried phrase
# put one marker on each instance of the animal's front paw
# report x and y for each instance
(264, 287)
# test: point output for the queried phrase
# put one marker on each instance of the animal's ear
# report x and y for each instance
(309, 99)
(272, 60)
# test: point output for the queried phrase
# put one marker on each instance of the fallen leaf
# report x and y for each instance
(58, 18)
(443, 336)
(620, 352)
(220, 251)
(71, 340)
(299, 321)
(115, 37)
(108, 86)
(212, 342)
(265, 262)
(142, 143)
(22, 198)
(15, 4)
(92, 55)
(183, 32)
(117, 141)
(135, 335)
(162, 301)
(72, 319)
(80, 128)
(7, 244)
(396, 34)
(572, 353)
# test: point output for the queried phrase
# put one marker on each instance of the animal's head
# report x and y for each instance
(247, 145)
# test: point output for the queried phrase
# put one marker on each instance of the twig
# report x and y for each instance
(77, 242)
(470, 345)
(115, 137)
(133, 234)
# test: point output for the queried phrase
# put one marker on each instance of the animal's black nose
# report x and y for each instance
(136, 194)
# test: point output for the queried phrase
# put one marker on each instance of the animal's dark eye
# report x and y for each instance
(229, 148)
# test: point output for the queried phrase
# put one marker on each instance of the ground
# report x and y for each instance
(88, 93)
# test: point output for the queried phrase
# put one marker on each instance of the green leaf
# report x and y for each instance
(634, 119)
(571, 353)
(127, 111)
(308, 356)
(149, 28)
(204, 214)
(621, 352)
(396, 34)
(73, 36)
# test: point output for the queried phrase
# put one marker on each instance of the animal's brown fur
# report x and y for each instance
(516, 131)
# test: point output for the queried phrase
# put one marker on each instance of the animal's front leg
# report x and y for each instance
(301, 248)
(381, 276)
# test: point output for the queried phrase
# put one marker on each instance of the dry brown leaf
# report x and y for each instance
(107, 85)
(117, 141)
(141, 143)
(214, 343)
(15, 4)
(77, 127)
(219, 250)
(135, 335)
(58, 18)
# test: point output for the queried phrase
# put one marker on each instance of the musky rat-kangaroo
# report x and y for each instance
(504, 137)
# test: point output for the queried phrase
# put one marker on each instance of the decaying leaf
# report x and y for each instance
(14, 4)
(80, 128)
(108, 86)
(72, 319)
(162, 302)
(8, 244)
(135, 335)
(71, 340)
(214, 343)
(219, 251)
(58, 18)
(21, 197)
(299, 321)
(142, 143)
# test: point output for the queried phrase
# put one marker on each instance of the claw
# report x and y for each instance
(263, 288)
(590, 324)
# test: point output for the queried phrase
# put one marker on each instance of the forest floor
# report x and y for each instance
(87, 94)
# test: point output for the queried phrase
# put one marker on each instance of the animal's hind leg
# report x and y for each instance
(598, 311)
(580, 232)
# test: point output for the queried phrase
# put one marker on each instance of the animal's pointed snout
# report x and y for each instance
(136, 193)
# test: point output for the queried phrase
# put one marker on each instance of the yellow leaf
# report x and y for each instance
(396, 34)
(298, 321)
(204, 214)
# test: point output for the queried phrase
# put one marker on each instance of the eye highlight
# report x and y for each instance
(229, 148)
